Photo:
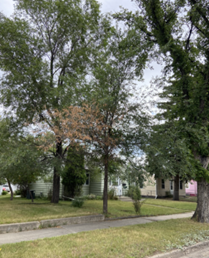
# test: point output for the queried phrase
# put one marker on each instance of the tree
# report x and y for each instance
(180, 31)
(45, 53)
(74, 175)
(168, 156)
(20, 161)
(112, 90)
(133, 172)
(103, 122)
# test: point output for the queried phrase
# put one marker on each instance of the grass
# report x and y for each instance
(182, 205)
(130, 241)
(189, 198)
(22, 210)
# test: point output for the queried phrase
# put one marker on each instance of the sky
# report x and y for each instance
(6, 6)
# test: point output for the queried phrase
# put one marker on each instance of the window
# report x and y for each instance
(181, 184)
(163, 184)
(87, 179)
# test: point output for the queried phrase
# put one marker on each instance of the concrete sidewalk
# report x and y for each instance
(72, 229)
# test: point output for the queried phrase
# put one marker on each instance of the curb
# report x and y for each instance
(181, 253)
(127, 217)
(18, 227)
(25, 226)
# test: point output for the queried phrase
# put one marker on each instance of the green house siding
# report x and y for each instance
(96, 184)
(41, 187)
(85, 190)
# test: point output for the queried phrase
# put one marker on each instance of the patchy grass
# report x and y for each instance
(22, 210)
(130, 241)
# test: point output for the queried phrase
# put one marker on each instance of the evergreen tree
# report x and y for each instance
(74, 174)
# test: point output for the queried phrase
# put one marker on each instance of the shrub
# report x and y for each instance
(17, 192)
(74, 174)
(135, 193)
(131, 191)
(111, 194)
(49, 196)
(4, 192)
(91, 197)
(78, 202)
(168, 194)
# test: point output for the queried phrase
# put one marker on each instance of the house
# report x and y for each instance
(160, 187)
(191, 188)
(6, 187)
(94, 185)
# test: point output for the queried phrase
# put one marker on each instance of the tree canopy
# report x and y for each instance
(179, 32)
(46, 50)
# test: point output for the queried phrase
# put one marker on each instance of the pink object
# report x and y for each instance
(191, 188)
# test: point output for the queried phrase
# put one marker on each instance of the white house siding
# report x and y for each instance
(162, 191)
(149, 187)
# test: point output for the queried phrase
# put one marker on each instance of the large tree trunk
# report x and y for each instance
(28, 190)
(10, 188)
(105, 192)
(202, 211)
(56, 177)
(56, 187)
(176, 188)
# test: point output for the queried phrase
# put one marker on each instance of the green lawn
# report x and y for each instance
(183, 205)
(21, 210)
(130, 241)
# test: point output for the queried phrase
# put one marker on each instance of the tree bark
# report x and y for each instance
(56, 187)
(202, 211)
(10, 188)
(105, 192)
(31, 196)
(56, 177)
(176, 188)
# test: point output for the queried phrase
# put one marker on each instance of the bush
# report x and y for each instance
(91, 197)
(135, 194)
(111, 195)
(131, 192)
(49, 195)
(17, 192)
(74, 174)
(168, 194)
(4, 192)
(78, 202)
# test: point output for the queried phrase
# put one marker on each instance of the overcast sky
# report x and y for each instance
(6, 6)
